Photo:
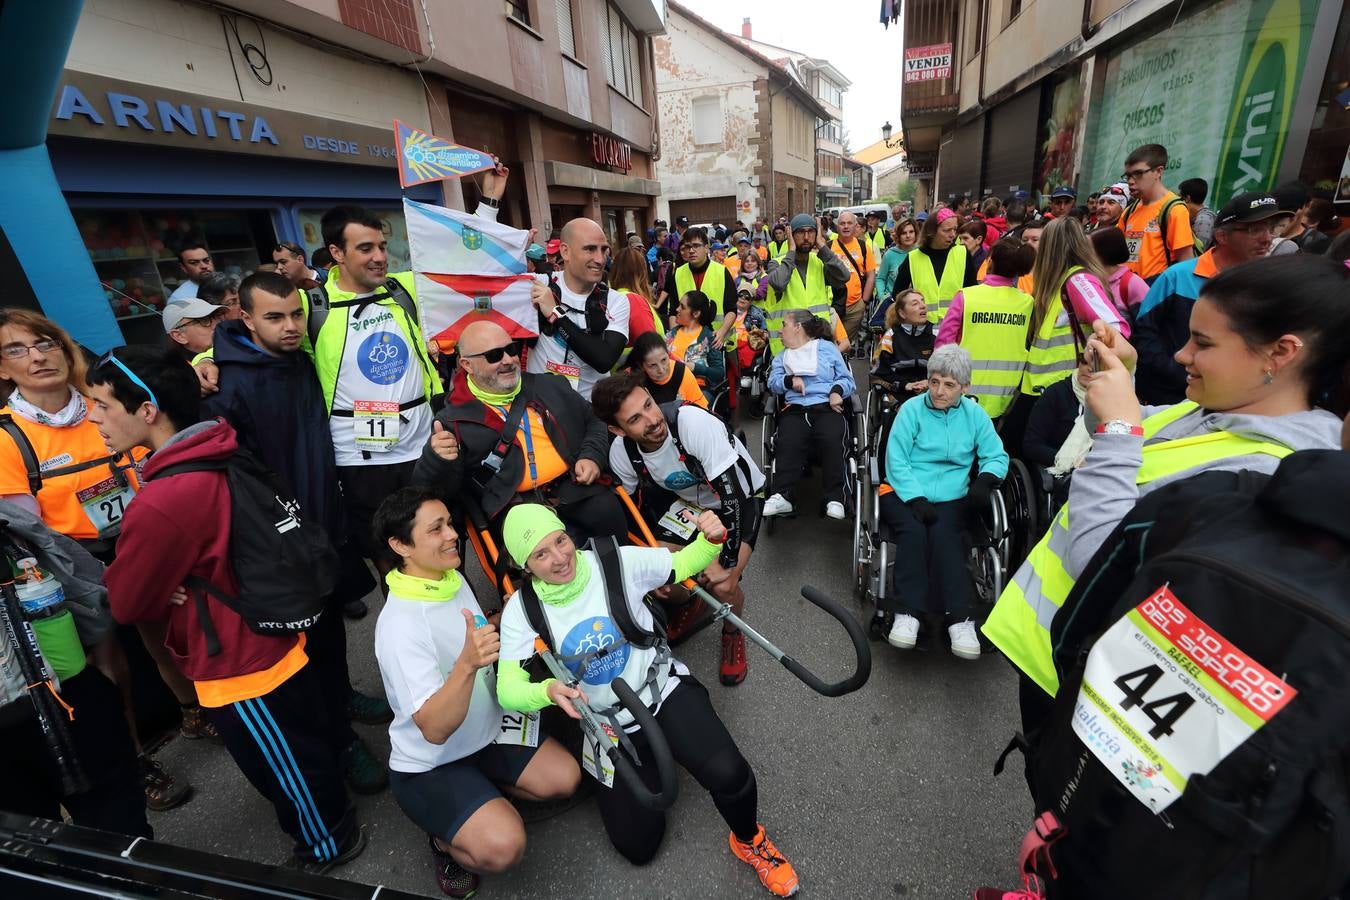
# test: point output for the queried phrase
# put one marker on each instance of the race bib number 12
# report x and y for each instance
(1165, 697)
(519, 730)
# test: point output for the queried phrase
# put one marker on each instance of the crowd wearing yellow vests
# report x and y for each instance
(1053, 355)
(994, 325)
(939, 294)
(811, 294)
(714, 282)
(1019, 624)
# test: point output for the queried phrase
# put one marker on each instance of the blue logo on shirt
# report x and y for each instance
(679, 480)
(594, 636)
(383, 357)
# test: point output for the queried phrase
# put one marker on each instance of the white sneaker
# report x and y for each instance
(834, 509)
(777, 505)
(965, 644)
(745, 382)
(904, 633)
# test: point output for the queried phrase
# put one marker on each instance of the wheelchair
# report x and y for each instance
(854, 450)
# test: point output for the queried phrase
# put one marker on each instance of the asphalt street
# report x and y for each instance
(886, 792)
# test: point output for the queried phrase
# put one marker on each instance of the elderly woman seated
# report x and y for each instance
(935, 440)
(813, 380)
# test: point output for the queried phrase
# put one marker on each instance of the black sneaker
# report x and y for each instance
(323, 867)
(355, 609)
(880, 626)
(368, 709)
(453, 879)
(363, 772)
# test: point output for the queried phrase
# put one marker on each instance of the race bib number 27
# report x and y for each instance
(1165, 697)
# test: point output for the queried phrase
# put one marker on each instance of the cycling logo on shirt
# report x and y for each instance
(383, 357)
(679, 480)
(600, 636)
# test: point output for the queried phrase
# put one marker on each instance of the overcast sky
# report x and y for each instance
(848, 33)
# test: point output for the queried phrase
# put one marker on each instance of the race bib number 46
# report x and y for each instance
(1165, 697)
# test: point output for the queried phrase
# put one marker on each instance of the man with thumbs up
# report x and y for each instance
(506, 434)
(453, 750)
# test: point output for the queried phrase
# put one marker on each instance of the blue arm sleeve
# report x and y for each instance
(841, 374)
(989, 450)
(776, 375)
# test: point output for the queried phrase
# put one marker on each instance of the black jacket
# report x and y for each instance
(574, 430)
(907, 358)
(276, 406)
(1050, 422)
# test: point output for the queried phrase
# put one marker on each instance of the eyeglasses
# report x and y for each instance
(135, 379)
(494, 356)
(692, 246)
(20, 351)
(203, 321)
(1138, 173)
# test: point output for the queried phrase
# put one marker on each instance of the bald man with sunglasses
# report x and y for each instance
(508, 436)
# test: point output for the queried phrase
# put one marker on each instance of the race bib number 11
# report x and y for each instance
(1165, 697)
(375, 425)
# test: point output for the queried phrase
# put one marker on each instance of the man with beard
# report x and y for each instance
(506, 437)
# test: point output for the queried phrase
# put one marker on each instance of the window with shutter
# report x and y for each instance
(566, 36)
(707, 120)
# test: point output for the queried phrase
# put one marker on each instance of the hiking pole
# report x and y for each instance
(625, 768)
(50, 712)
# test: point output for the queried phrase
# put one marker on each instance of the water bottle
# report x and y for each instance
(42, 599)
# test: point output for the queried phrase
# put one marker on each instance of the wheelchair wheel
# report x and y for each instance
(1000, 533)
(1022, 495)
(986, 571)
(863, 500)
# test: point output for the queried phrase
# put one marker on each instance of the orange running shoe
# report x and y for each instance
(774, 872)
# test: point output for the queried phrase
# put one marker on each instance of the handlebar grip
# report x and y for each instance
(656, 739)
(861, 650)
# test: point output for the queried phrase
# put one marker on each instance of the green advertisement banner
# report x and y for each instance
(1216, 90)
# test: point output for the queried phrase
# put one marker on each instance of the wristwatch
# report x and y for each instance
(1120, 426)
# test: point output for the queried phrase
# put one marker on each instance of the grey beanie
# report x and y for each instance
(802, 220)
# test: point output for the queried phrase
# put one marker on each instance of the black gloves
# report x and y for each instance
(923, 510)
(978, 497)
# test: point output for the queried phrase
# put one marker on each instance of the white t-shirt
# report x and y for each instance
(378, 365)
(552, 354)
(417, 643)
(584, 624)
(184, 291)
(704, 437)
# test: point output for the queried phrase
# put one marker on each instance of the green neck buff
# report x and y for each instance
(563, 594)
(413, 588)
(493, 399)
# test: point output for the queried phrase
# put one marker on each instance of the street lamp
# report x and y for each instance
(886, 137)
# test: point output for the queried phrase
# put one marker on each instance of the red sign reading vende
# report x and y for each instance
(606, 151)
(928, 63)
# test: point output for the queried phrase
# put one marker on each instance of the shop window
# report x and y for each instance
(135, 253)
(707, 120)
(566, 36)
(518, 10)
(623, 63)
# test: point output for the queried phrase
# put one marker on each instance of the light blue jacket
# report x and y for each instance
(831, 370)
(930, 451)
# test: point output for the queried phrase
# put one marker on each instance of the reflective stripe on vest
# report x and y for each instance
(1053, 355)
(1019, 624)
(994, 324)
(798, 295)
(714, 283)
(938, 294)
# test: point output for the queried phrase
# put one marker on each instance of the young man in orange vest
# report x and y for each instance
(1156, 223)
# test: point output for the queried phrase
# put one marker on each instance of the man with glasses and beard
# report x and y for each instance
(506, 437)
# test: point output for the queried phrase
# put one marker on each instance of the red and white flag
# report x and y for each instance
(451, 303)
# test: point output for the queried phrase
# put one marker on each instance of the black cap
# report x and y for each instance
(682, 220)
(1249, 206)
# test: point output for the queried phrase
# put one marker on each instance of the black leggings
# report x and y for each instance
(701, 744)
(595, 515)
(798, 427)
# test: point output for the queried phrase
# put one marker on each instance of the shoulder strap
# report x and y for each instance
(26, 452)
(606, 550)
(493, 461)
(534, 613)
(1162, 226)
(196, 465)
(849, 256)
(644, 477)
(318, 311)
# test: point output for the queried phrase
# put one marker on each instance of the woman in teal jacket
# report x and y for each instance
(936, 438)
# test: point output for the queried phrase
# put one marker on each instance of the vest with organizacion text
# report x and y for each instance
(994, 326)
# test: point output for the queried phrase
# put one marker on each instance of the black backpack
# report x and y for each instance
(597, 310)
(671, 411)
(1249, 576)
(284, 565)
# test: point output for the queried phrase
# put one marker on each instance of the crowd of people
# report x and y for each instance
(1135, 340)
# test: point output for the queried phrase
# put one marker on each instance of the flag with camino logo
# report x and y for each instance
(468, 269)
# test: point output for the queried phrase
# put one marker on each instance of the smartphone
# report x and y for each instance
(1093, 360)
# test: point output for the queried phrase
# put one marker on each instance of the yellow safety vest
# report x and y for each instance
(714, 283)
(1020, 622)
(1053, 355)
(994, 324)
(812, 294)
(925, 281)
(779, 249)
(878, 240)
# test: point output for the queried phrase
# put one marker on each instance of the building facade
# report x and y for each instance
(1014, 95)
(737, 128)
(179, 120)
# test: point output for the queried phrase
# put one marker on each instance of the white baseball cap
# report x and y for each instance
(176, 311)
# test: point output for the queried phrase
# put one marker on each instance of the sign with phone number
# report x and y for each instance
(1165, 697)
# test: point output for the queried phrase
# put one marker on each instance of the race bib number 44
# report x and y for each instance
(1165, 697)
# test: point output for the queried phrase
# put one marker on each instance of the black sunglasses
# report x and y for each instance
(494, 356)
